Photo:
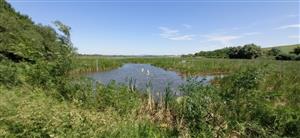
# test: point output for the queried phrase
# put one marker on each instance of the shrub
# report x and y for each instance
(8, 74)
(198, 108)
(297, 50)
(248, 51)
(273, 52)
(297, 58)
(285, 57)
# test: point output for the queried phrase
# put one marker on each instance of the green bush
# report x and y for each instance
(249, 51)
(296, 50)
(8, 74)
(198, 107)
(273, 52)
(285, 57)
(297, 58)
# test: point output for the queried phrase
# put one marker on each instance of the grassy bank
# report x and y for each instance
(32, 112)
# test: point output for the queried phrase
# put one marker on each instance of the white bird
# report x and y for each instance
(142, 69)
(148, 72)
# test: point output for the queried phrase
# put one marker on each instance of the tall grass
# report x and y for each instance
(94, 64)
(256, 98)
(186, 66)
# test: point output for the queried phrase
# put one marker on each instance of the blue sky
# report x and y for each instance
(171, 27)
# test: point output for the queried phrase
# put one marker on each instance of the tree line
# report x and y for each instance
(248, 51)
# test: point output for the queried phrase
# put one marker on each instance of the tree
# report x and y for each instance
(234, 52)
(47, 53)
(219, 53)
(251, 51)
(273, 51)
(297, 50)
(248, 51)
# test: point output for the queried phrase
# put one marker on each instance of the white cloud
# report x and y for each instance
(224, 39)
(251, 33)
(288, 26)
(292, 15)
(183, 37)
(227, 38)
(167, 32)
(173, 34)
(187, 26)
(295, 37)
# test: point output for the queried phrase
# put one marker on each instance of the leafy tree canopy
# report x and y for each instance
(23, 41)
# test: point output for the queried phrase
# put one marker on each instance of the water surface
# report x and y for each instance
(145, 76)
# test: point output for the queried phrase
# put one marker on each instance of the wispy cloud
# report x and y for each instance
(187, 26)
(227, 38)
(224, 39)
(167, 32)
(295, 37)
(182, 37)
(288, 26)
(293, 15)
(251, 33)
(173, 34)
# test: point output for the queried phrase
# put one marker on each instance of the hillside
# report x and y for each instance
(284, 48)
(27, 47)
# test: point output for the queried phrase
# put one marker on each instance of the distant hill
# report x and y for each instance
(225, 52)
(284, 48)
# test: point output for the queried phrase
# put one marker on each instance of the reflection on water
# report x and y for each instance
(144, 76)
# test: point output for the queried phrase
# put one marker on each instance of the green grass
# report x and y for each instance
(184, 66)
(285, 48)
(256, 98)
(33, 112)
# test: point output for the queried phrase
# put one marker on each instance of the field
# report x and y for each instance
(285, 48)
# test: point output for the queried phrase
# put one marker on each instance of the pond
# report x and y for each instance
(144, 76)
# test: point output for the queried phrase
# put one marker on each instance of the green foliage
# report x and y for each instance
(247, 103)
(120, 98)
(297, 50)
(35, 114)
(294, 55)
(273, 52)
(285, 49)
(8, 74)
(47, 54)
(219, 53)
(297, 57)
(198, 108)
(285, 57)
(249, 51)
(40, 99)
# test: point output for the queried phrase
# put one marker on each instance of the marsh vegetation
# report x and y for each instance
(43, 93)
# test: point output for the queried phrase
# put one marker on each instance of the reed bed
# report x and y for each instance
(184, 66)
(256, 98)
